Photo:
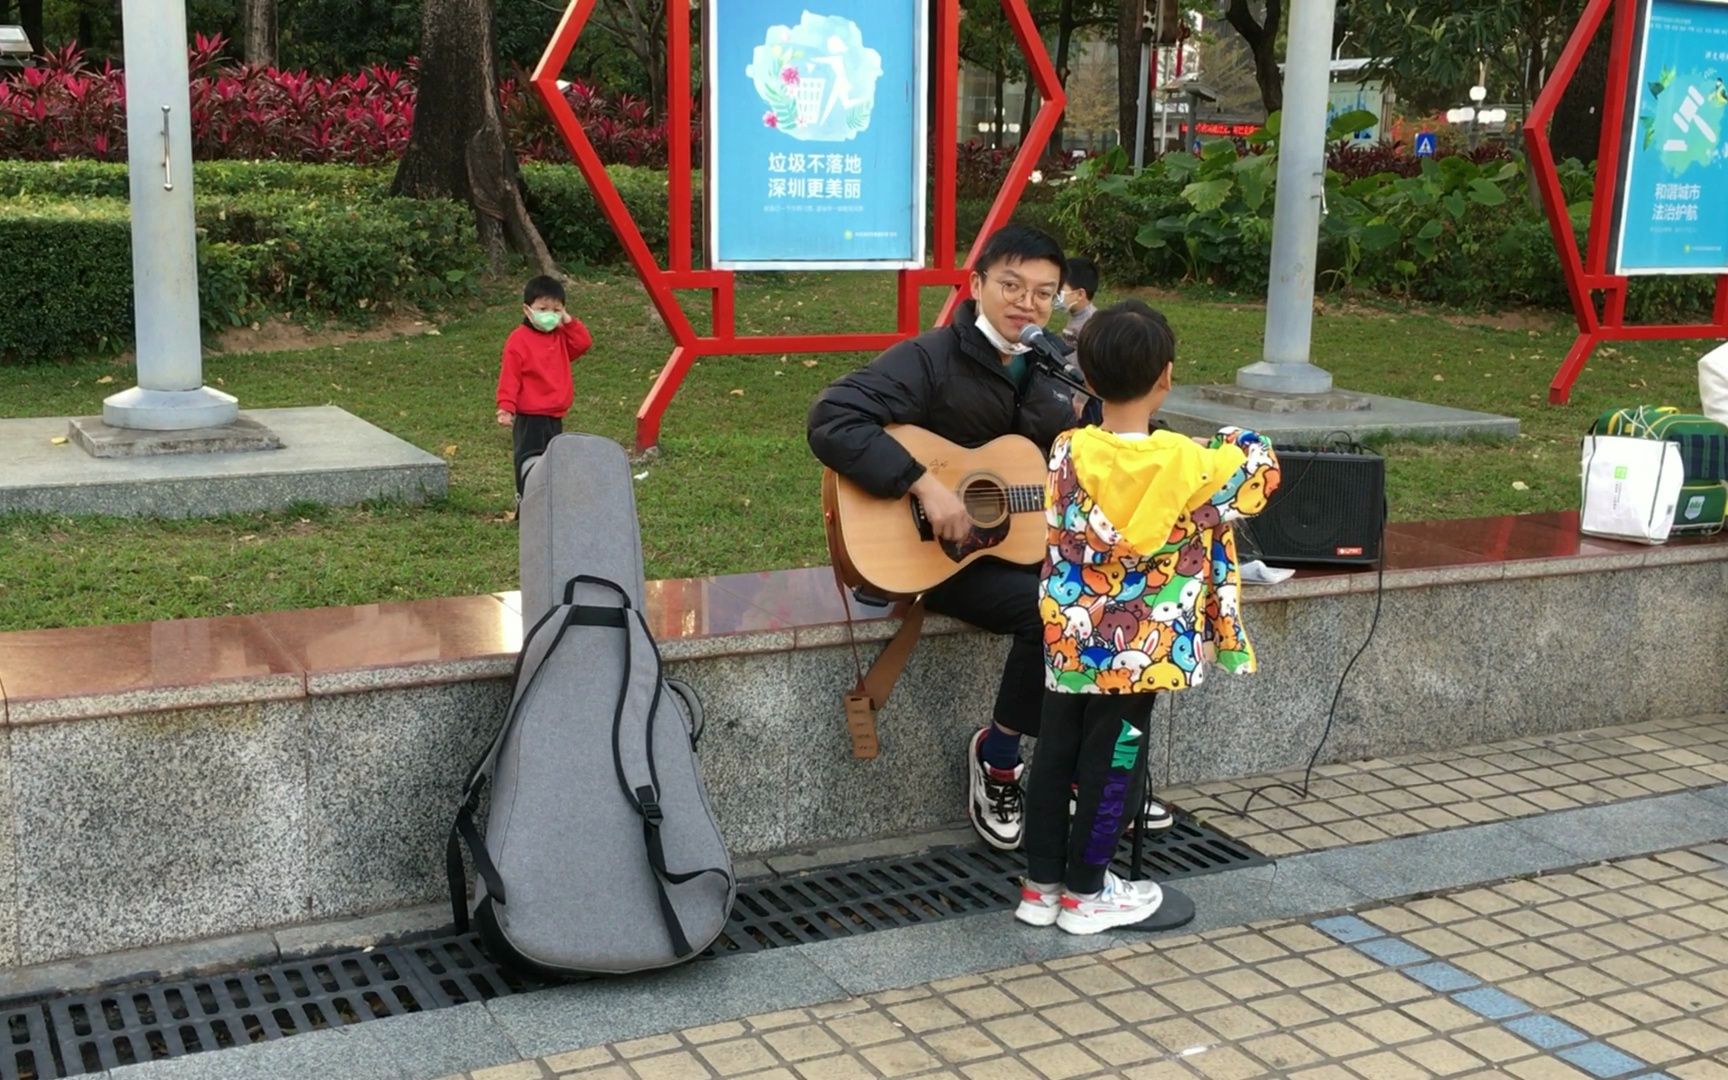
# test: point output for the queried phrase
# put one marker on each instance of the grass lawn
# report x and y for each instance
(735, 488)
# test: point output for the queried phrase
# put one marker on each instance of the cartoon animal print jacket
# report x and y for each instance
(1140, 586)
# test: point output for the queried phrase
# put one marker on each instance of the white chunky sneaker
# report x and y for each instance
(1122, 903)
(996, 806)
(1158, 816)
(1038, 908)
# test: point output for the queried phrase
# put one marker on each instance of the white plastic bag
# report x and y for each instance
(1631, 487)
(1713, 384)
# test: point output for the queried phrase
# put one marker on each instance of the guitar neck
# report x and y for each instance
(1025, 498)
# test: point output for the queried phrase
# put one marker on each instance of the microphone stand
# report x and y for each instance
(1058, 370)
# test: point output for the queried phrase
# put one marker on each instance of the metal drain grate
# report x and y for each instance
(77, 1034)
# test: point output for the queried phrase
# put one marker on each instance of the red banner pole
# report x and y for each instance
(678, 135)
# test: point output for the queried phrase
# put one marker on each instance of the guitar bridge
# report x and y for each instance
(925, 532)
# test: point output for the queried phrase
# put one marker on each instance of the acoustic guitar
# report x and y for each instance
(887, 545)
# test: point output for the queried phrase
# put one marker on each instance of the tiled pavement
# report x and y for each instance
(1619, 969)
(1361, 802)
(1613, 969)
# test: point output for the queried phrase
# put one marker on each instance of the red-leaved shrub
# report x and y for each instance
(66, 108)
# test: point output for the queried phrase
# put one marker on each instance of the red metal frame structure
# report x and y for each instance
(1588, 275)
(662, 282)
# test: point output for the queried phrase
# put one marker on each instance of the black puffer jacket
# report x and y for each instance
(949, 381)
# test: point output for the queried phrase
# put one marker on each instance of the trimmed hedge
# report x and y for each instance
(65, 277)
(273, 236)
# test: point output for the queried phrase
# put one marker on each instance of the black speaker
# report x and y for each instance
(1329, 509)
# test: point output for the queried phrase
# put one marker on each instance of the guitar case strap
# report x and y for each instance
(869, 695)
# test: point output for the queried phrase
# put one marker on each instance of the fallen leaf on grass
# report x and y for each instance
(811, 363)
(450, 451)
(737, 393)
(105, 380)
(58, 440)
(1519, 485)
(1439, 378)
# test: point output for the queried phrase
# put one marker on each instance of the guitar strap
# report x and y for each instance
(869, 695)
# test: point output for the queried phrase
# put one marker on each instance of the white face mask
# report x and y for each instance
(1001, 344)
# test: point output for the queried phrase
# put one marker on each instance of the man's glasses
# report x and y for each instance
(1015, 291)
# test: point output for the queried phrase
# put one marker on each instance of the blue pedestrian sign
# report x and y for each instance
(1426, 144)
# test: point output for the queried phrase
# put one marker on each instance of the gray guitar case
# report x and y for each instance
(601, 853)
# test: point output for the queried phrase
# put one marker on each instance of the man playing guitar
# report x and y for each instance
(969, 382)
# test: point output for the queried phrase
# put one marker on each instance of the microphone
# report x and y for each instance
(1047, 353)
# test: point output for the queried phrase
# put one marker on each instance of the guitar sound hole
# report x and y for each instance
(986, 501)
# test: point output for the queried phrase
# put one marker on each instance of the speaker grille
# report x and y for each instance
(1328, 510)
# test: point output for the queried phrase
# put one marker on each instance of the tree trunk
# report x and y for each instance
(1027, 98)
(30, 15)
(1128, 23)
(1064, 38)
(457, 148)
(1262, 39)
(996, 132)
(260, 33)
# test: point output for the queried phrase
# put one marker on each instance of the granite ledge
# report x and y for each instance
(286, 686)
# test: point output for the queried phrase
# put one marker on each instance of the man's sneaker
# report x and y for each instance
(1122, 903)
(1038, 908)
(996, 806)
(1158, 816)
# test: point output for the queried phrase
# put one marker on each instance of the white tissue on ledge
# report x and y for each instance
(1255, 572)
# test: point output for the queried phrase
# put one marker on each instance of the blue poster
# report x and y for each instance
(1674, 198)
(816, 133)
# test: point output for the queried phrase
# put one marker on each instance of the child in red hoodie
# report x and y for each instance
(534, 385)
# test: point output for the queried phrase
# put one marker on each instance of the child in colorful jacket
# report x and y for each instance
(1139, 591)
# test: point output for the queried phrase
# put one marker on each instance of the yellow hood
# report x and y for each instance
(1145, 485)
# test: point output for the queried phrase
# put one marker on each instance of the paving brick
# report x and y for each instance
(1295, 972)
(1060, 1062)
(865, 1029)
(1440, 1014)
(1119, 1048)
(1705, 1038)
(788, 1017)
(1345, 962)
(1540, 992)
(607, 1072)
(801, 1043)
(1078, 1018)
(834, 1068)
(1484, 901)
(1300, 939)
(1387, 1066)
(1336, 1039)
(1650, 1046)
(1396, 920)
(1324, 1072)
(1155, 1070)
(959, 1045)
(1392, 988)
(1178, 1034)
(906, 1058)
(1192, 995)
(1494, 1044)
(731, 1029)
(1136, 1006)
(1641, 1006)
(1341, 999)
(1235, 1022)
(737, 1056)
(1200, 959)
(580, 1059)
(682, 1065)
(985, 1002)
(1288, 1010)
(1243, 983)
(657, 1044)
(1443, 1058)
(1019, 1032)
(998, 1069)
(1225, 1063)
(1389, 1027)
(1545, 1068)
(1040, 990)
(1251, 948)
